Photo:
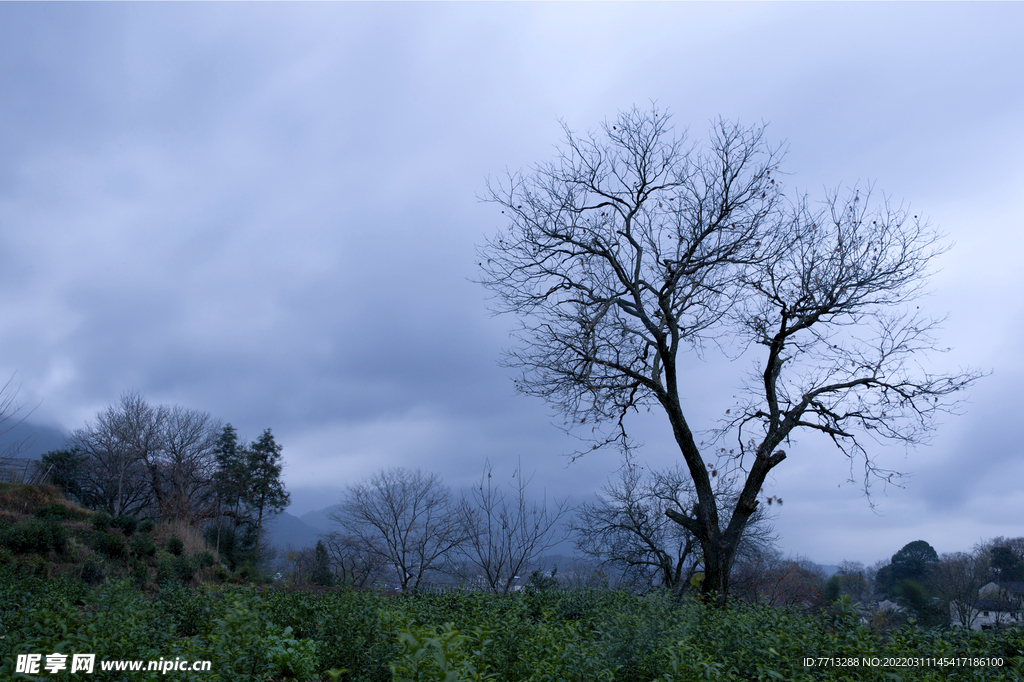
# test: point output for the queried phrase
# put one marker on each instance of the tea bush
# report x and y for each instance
(58, 512)
(101, 521)
(142, 546)
(33, 535)
(111, 546)
(126, 523)
(175, 545)
(548, 635)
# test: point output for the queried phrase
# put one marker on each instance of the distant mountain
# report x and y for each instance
(286, 531)
(30, 441)
(321, 518)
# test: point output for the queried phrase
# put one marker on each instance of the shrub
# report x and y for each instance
(165, 571)
(126, 523)
(55, 511)
(140, 573)
(143, 546)
(189, 610)
(540, 581)
(175, 546)
(34, 535)
(184, 568)
(101, 521)
(177, 570)
(205, 559)
(109, 545)
(33, 564)
(146, 525)
(244, 645)
(248, 573)
(91, 572)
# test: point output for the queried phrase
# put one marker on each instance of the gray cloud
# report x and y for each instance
(269, 212)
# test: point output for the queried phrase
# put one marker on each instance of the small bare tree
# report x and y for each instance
(628, 528)
(763, 576)
(11, 415)
(353, 563)
(407, 519)
(505, 537)
(957, 579)
(634, 252)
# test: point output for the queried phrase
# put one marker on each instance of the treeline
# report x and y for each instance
(405, 529)
(174, 464)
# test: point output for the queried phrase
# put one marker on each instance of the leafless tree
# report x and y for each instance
(629, 530)
(635, 251)
(121, 449)
(301, 565)
(183, 468)
(957, 579)
(505, 537)
(853, 580)
(12, 413)
(764, 576)
(407, 519)
(140, 457)
(352, 562)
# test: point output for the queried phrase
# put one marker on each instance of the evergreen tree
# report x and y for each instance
(915, 561)
(321, 566)
(231, 482)
(264, 492)
(1007, 566)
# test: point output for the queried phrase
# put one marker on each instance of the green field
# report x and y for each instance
(257, 634)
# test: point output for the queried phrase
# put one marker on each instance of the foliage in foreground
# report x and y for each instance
(541, 636)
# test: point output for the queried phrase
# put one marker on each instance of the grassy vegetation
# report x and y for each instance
(125, 595)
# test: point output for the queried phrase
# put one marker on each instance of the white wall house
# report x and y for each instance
(987, 613)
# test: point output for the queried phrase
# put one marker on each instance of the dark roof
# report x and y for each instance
(1012, 587)
(994, 605)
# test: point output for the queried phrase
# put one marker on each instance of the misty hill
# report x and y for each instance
(321, 518)
(286, 530)
(30, 441)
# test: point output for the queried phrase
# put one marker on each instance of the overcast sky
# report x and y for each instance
(269, 212)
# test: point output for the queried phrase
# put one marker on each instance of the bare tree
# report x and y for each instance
(764, 576)
(634, 251)
(957, 579)
(628, 528)
(853, 580)
(186, 464)
(11, 415)
(139, 457)
(505, 537)
(352, 562)
(122, 449)
(406, 519)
